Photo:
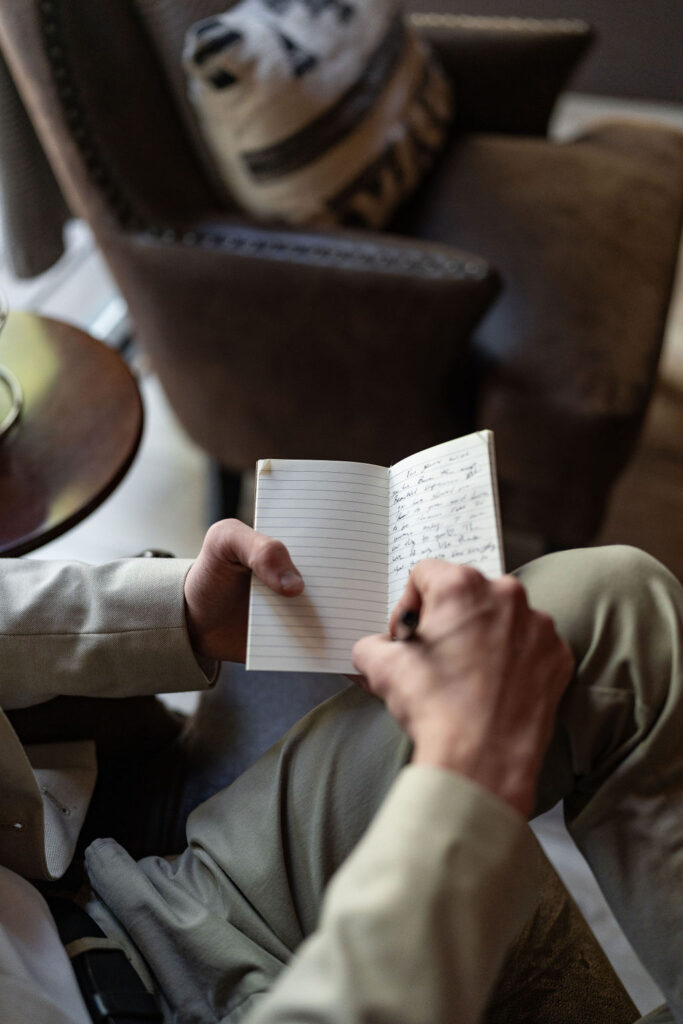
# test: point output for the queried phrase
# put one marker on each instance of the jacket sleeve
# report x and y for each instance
(416, 923)
(103, 631)
(114, 630)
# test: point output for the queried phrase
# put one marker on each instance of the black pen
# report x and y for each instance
(407, 625)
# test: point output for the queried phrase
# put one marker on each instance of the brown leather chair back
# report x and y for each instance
(115, 132)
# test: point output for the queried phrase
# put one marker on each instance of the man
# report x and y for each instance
(425, 902)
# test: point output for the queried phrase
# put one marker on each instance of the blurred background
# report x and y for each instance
(168, 497)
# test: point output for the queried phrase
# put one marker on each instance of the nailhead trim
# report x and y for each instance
(349, 256)
(56, 50)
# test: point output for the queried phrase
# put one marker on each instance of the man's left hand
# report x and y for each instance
(217, 586)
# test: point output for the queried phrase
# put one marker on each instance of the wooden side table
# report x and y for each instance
(78, 432)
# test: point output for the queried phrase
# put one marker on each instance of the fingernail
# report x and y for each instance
(290, 580)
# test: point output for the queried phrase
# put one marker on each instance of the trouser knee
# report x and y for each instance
(622, 614)
(615, 596)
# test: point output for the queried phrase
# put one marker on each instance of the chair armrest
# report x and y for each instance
(506, 72)
(321, 345)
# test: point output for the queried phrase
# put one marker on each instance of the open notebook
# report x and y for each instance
(354, 532)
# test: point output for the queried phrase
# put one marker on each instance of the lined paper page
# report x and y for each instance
(443, 503)
(333, 518)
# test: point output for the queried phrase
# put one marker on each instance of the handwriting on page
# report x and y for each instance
(442, 507)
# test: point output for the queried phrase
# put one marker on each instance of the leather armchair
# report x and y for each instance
(271, 340)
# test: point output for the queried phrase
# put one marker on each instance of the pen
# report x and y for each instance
(407, 625)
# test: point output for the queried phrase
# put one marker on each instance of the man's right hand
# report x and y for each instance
(477, 689)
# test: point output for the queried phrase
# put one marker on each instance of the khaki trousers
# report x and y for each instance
(219, 922)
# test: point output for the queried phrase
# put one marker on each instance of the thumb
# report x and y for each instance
(371, 656)
(236, 544)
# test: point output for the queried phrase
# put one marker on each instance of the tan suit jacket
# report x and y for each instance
(432, 874)
(115, 630)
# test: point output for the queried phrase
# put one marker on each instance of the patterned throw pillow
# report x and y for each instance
(317, 111)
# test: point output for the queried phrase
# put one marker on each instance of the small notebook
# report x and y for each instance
(354, 532)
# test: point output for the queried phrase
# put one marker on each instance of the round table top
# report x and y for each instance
(78, 432)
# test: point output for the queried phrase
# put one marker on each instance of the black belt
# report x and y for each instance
(112, 989)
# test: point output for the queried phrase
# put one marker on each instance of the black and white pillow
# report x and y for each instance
(317, 111)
